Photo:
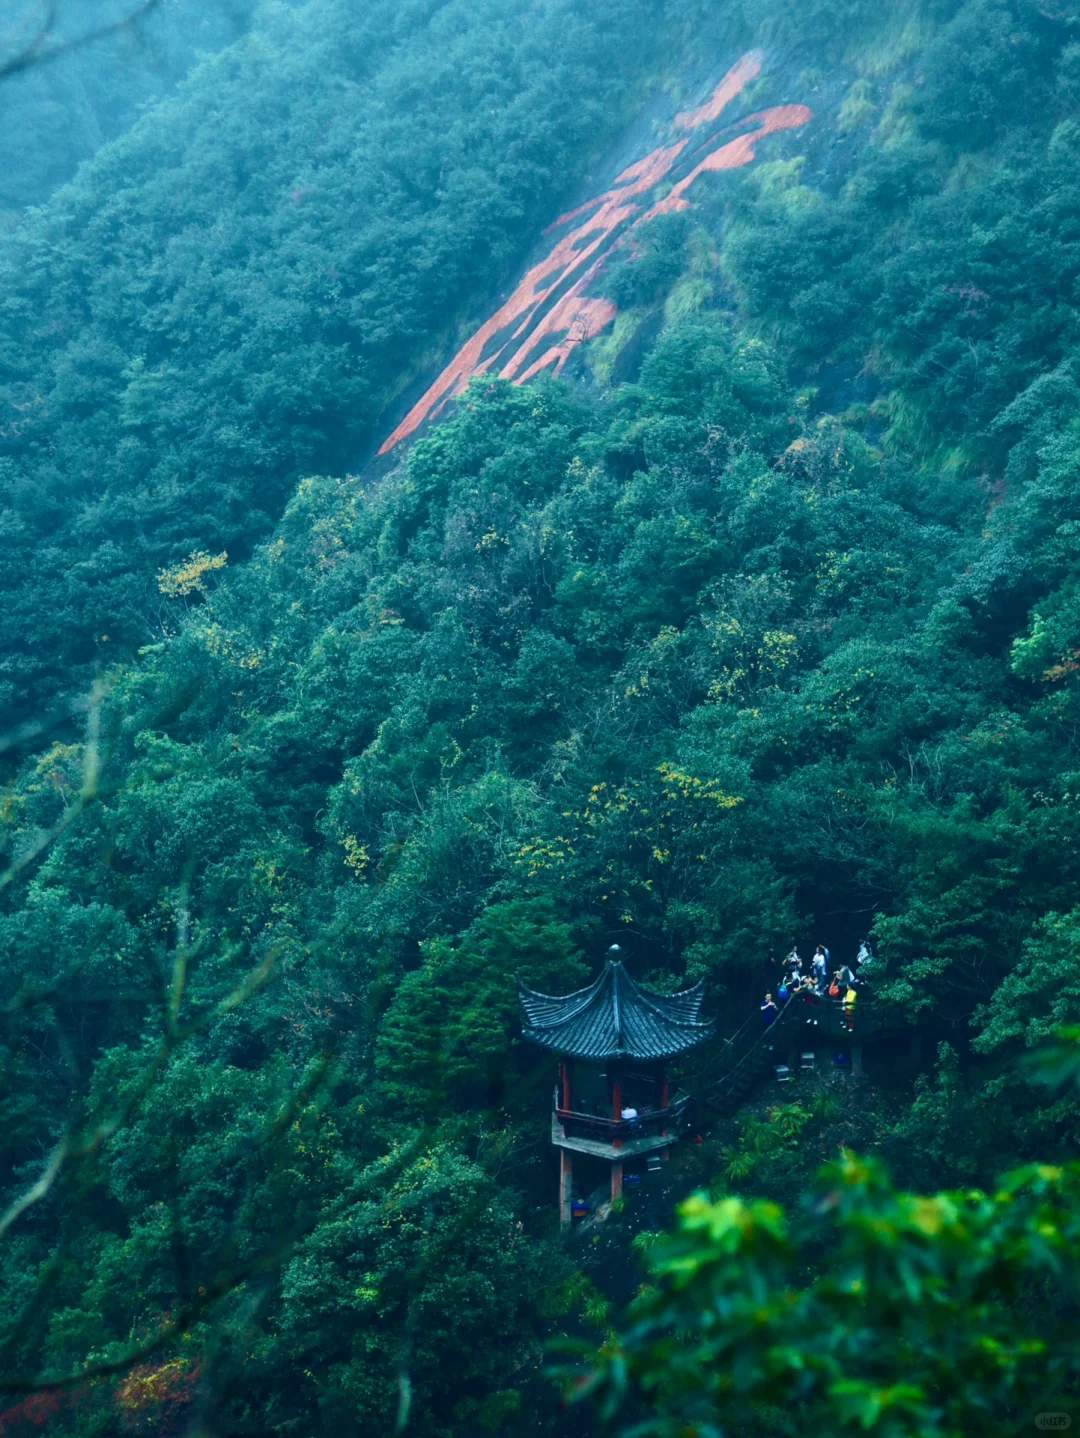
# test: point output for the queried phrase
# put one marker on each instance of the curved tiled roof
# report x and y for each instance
(615, 1018)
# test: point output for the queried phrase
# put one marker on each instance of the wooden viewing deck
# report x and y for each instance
(832, 1020)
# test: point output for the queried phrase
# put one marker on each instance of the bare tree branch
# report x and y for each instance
(39, 50)
(66, 1152)
(86, 796)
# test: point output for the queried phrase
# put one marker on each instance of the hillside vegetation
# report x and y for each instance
(763, 623)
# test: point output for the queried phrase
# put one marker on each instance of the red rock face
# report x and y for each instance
(550, 313)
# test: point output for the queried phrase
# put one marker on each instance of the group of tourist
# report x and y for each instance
(812, 984)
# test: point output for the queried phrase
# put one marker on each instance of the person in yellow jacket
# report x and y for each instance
(849, 1007)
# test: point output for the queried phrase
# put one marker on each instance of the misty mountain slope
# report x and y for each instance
(228, 296)
(691, 670)
(233, 293)
(759, 624)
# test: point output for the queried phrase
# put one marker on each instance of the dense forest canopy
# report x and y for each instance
(758, 623)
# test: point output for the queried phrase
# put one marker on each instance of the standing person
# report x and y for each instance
(849, 1008)
(834, 987)
(865, 965)
(846, 976)
(820, 963)
(768, 1011)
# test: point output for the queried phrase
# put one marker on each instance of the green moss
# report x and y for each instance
(903, 32)
(858, 108)
(604, 351)
(896, 126)
(688, 296)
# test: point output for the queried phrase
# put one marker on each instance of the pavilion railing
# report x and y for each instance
(610, 1130)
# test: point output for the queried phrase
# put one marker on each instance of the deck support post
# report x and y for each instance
(566, 1185)
(616, 1181)
(856, 1061)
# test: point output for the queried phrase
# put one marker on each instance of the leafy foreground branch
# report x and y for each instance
(942, 1315)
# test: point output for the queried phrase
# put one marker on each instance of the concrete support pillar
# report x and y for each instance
(616, 1181)
(856, 1060)
(566, 1185)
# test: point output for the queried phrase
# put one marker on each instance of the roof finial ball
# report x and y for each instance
(615, 954)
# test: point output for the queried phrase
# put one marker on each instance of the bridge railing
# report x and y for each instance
(750, 1047)
(832, 1017)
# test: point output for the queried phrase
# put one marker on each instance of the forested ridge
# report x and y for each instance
(761, 624)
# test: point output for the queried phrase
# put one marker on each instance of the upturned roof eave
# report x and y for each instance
(603, 1021)
(556, 1043)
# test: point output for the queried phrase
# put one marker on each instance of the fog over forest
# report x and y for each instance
(539, 718)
